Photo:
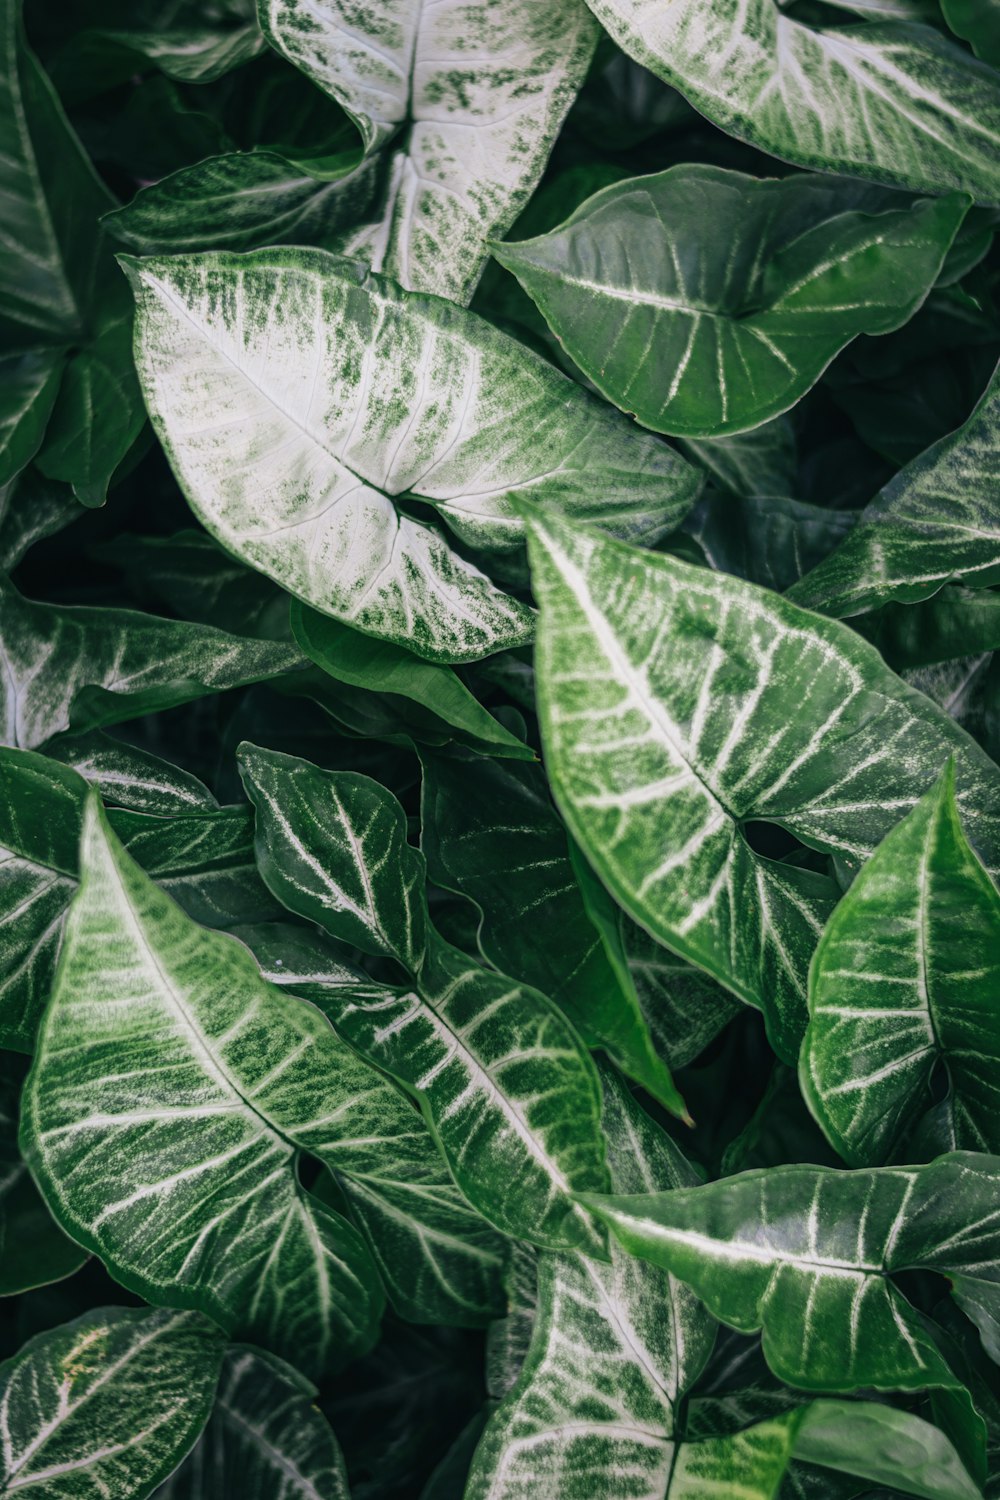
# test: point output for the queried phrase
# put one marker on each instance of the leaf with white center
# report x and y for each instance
(129, 776)
(104, 1408)
(332, 393)
(171, 1093)
(706, 302)
(613, 1351)
(678, 705)
(33, 1249)
(265, 1439)
(506, 1085)
(476, 92)
(905, 981)
(75, 666)
(479, 816)
(934, 523)
(808, 1253)
(895, 102)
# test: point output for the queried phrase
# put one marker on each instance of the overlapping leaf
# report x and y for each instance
(707, 302)
(905, 981)
(700, 704)
(343, 392)
(506, 1085)
(899, 103)
(480, 90)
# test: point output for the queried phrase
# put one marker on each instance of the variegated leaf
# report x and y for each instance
(907, 978)
(171, 1092)
(476, 93)
(934, 523)
(506, 1085)
(105, 1407)
(899, 103)
(700, 703)
(332, 393)
(807, 1254)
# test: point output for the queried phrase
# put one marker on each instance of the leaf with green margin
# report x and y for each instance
(613, 1350)
(265, 1439)
(171, 1094)
(807, 1254)
(32, 508)
(767, 539)
(978, 23)
(29, 383)
(33, 1249)
(506, 1086)
(891, 101)
(81, 667)
(105, 1407)
(905, 980)
(336, 393)
(476, 92)
(128, 776)
(705, 302)
(934, 523)
(242, 200)
(480, 816)
(361, 661)
(700, 703)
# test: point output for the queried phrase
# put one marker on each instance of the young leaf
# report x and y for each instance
(265, 1439)
(104, 1408)
(807, 1254)
(171, 1093)
(478, 817)
(613, 1352)
(706, 302)
(897, 103)
(507, 1088)
(905, 979)
(701, 703)
(480, 90)
(81, 667)
(337, 393)
(933, 523)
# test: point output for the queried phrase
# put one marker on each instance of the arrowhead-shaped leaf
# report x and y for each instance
(707, 302)
(336, 392)
(935, 522)
(701, 703)
(171, 1093)
(807, 1254)
(106, 1407)
(906, 978)
(84, 667)
(506, 1085)
(265, 1439)
(895, 102)
(480, 90)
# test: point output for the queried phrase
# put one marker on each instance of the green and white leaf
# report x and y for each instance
(898, 103)
(105, 1407)
(475, 93)
(701, 703)
(32, 508)
(906, 979)
(479, 816)
(265, 1439)
(74, 666)
(934, 523)
(334, 394)
(506, 1086)
(171, 1093)
(807, 1254)
(29, 383)
(129, 776)
(613, 1351)
(706, 302)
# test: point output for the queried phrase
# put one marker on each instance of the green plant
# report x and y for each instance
(500, 791)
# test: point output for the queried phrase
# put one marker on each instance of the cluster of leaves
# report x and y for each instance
(499, 797)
